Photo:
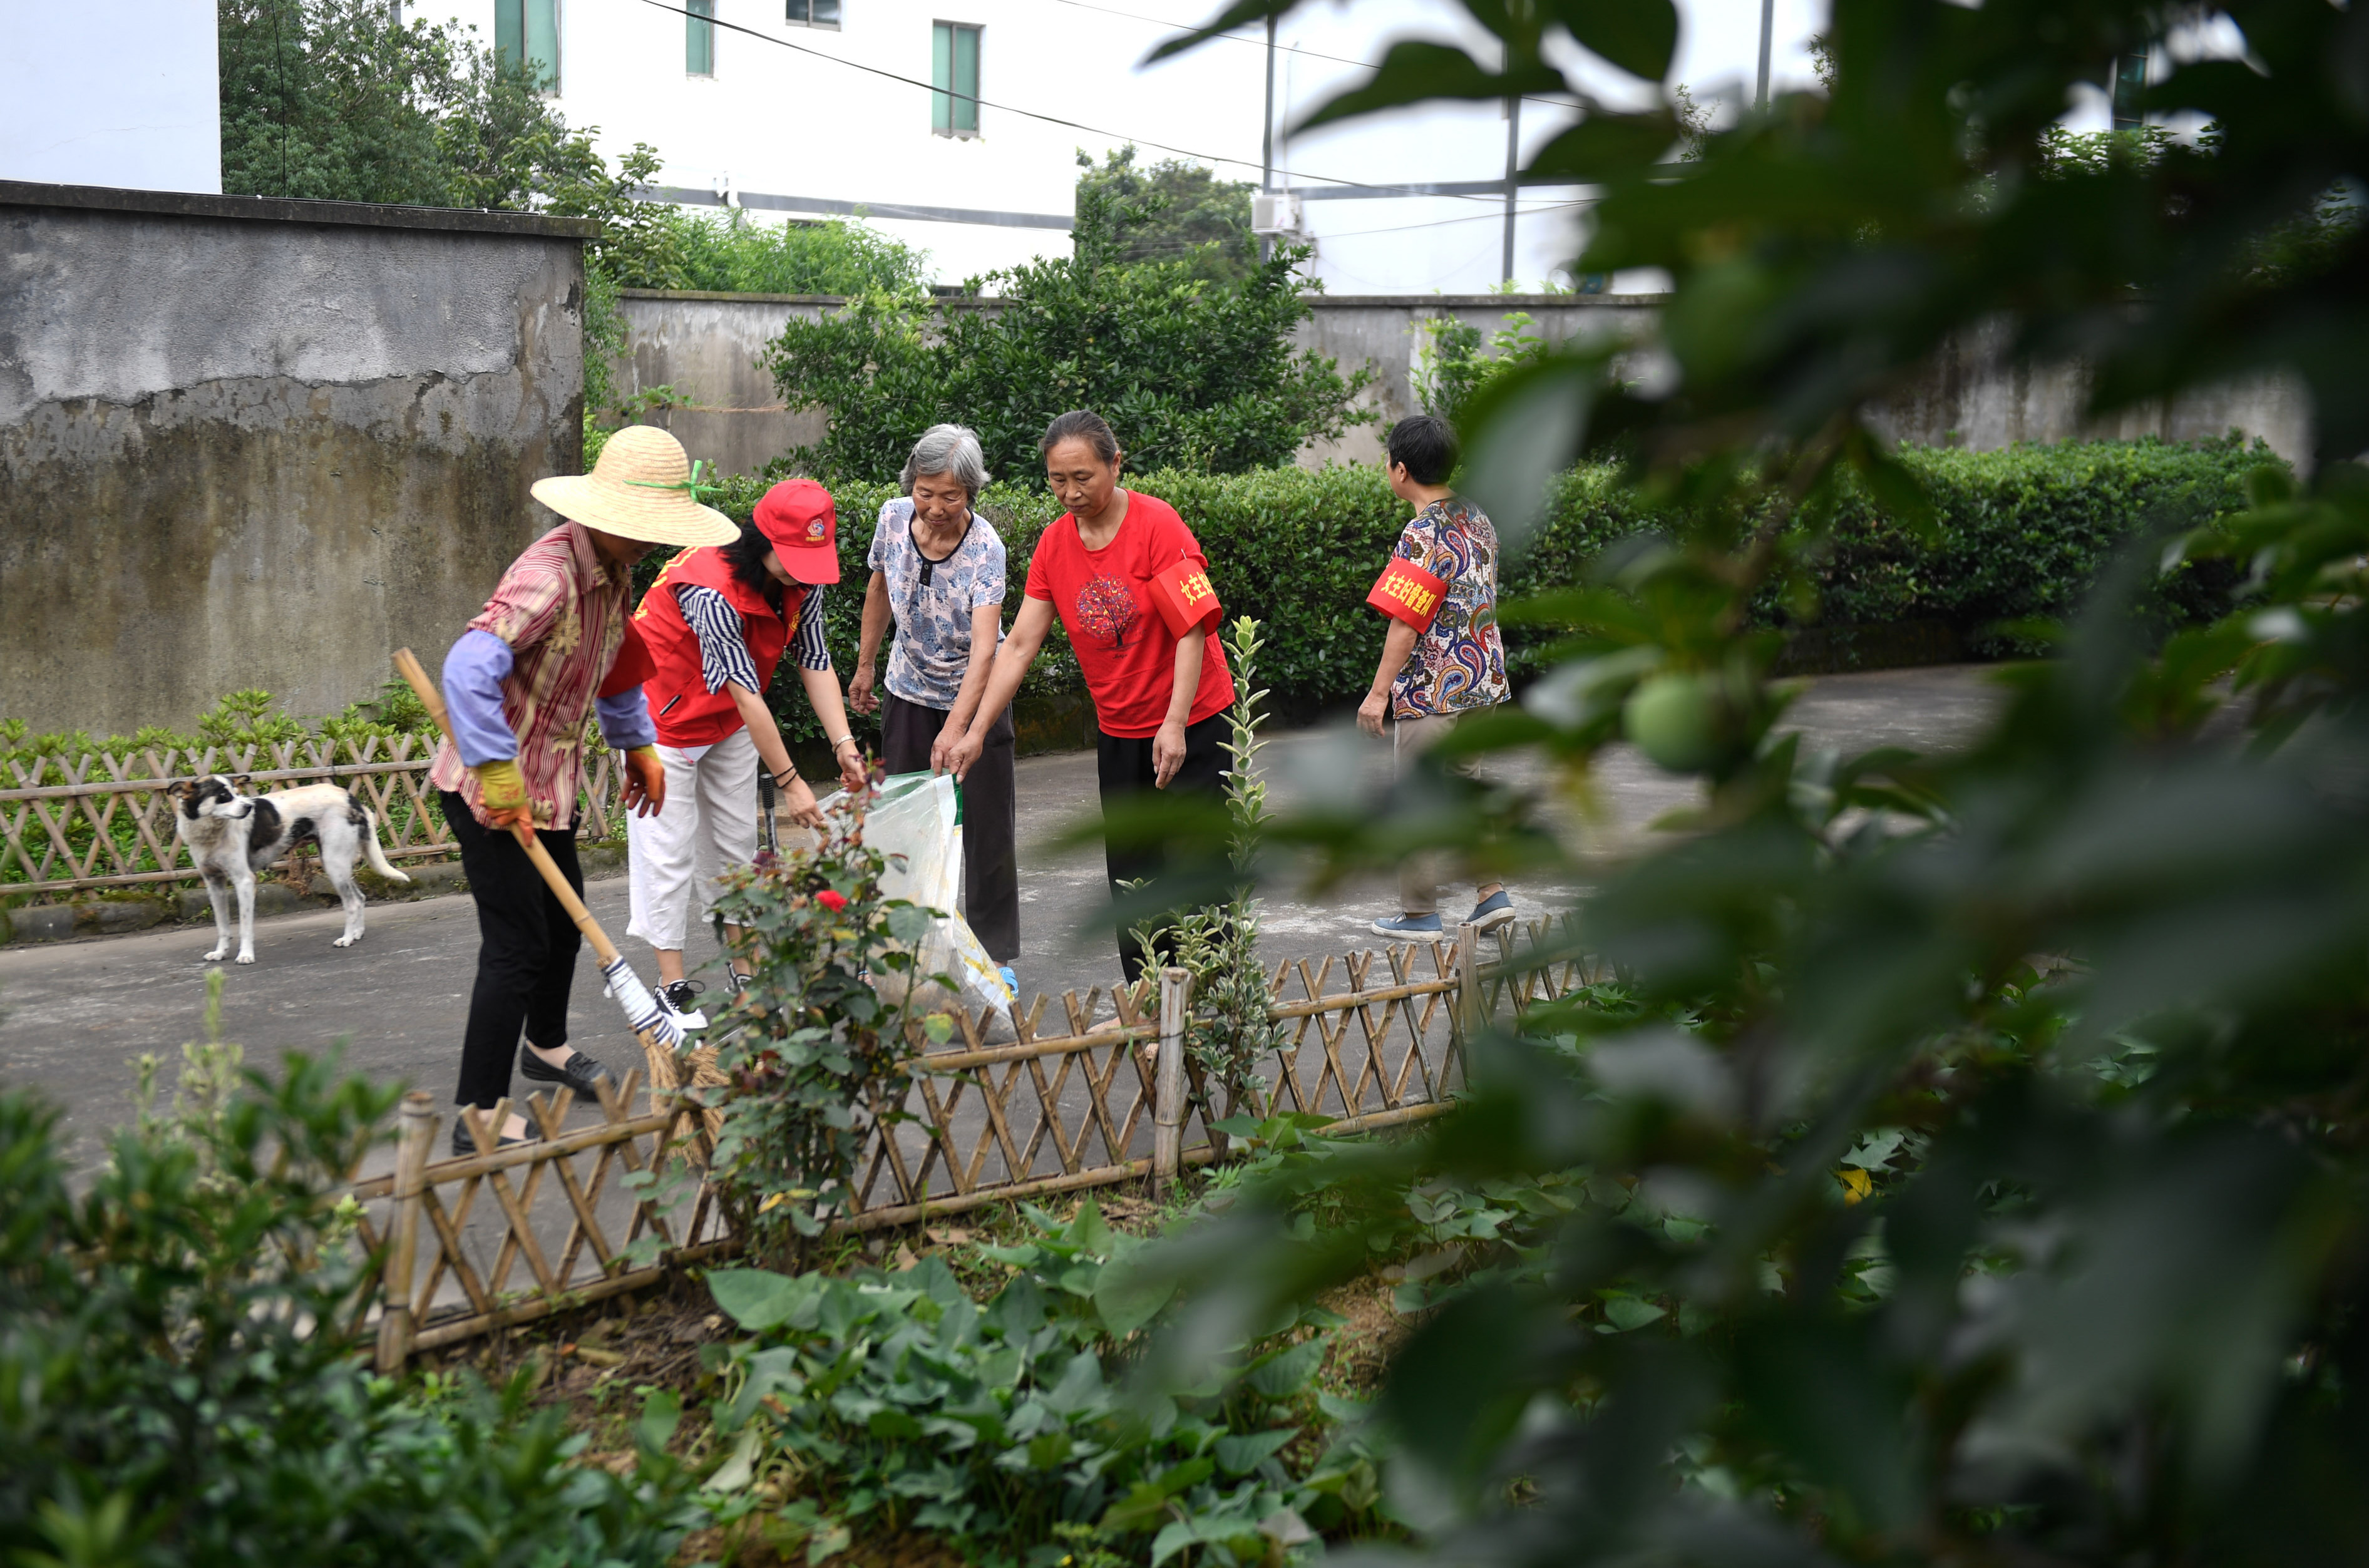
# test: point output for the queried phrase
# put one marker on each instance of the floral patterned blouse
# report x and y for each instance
(1458, 663)
(932, 649)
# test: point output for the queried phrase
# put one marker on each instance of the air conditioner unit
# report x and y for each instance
(1275, 213)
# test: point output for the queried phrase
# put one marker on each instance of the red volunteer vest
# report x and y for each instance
(686, 712)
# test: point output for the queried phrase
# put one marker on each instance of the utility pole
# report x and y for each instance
(1767, 30)
(1267, 145)
(1513, 167)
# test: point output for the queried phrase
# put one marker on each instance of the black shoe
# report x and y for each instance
(464, 1145)
(581, 1072)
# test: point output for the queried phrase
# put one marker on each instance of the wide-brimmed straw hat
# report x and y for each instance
(643, 487)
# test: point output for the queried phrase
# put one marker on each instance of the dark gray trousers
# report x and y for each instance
(991, 814)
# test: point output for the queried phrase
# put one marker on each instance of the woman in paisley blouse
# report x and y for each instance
(938, 571)
(1429, 679)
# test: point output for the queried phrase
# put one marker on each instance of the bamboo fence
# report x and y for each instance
(1106, 1096)
(102, 820)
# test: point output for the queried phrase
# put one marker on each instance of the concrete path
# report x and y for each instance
(75, 1016)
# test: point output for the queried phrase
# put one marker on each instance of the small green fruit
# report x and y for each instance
(1675, 719)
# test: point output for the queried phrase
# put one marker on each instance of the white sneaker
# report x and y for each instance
(680, 1001)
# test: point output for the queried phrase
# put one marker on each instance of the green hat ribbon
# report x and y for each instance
(692, 487)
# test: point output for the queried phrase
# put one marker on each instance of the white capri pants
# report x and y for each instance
(709, 823)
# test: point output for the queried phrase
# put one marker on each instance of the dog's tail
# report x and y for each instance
(378, 860)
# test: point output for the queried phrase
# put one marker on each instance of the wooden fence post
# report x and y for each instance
(418, 1137)
(1469, 1008)
(1168, 1082)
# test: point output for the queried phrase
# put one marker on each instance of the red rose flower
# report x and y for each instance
(831, 899)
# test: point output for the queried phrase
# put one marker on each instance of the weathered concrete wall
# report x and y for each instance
(264, 443)
(1971, 397)
(1386, 332)
(707, 345)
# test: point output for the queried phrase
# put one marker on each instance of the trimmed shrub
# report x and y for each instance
(2019, 534)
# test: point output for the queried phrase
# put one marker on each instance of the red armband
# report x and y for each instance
(1406, 593)
(632, 666)
(1184, 596)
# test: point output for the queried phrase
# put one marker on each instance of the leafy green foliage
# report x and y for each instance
(1230, 1036)
(1192, 374)
(1449, 368)
(815, 1061)
(2008, 537)
(341, 100)
(178, 1382)
(1187, 214)
(1989, 1123)
(733, 253)
(897, 1400)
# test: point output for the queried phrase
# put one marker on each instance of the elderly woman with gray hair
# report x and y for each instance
(938, 568)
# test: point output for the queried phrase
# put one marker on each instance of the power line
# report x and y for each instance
(1261, 43)
(1496, 215)
(1009, 108)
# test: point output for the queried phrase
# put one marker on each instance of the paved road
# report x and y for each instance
(75, 1016)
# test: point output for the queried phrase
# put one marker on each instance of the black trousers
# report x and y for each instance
(1124, 767)
(526, 951)
(991, 816)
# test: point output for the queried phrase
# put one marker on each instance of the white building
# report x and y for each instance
(956, 125)
(112, 93)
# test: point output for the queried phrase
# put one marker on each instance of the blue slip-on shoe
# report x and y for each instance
(1408, 925)
(1492, 911)
(1011, 980)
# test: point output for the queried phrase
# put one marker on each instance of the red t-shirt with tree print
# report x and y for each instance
(1103, 597)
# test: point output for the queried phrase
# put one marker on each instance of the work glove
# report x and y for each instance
(501, 789)
(645, 782)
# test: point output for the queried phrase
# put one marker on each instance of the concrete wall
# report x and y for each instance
(1971, 397)
(264, 443)
(706, 346)
(1386, 332)
(111, 92)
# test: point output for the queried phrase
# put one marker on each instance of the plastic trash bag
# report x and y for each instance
(916, 823)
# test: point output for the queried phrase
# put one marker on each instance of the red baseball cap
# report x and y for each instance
(798, 516)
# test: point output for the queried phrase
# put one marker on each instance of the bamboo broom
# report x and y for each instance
(659, 1034)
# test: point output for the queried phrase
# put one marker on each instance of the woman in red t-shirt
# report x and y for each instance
(1160, 699)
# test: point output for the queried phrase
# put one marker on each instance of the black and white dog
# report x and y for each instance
(231, 836)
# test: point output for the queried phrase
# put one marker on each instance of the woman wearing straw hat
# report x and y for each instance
(716, 623)
(519, 685)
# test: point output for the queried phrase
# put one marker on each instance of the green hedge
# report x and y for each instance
(2022, 533)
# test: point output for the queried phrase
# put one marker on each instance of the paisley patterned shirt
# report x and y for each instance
(931, 650)
(1458, 663)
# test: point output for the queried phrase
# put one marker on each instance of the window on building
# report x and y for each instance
(954, 70)
(2129, 85)
(813, 13)
(527, 31)
(699, 38)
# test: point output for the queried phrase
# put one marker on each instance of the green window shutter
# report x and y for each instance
(942, 76)
(699, 38)
(542, 30)
(509, 29)
(2129, 85)
(966, 104)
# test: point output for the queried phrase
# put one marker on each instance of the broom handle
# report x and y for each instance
(408, 666)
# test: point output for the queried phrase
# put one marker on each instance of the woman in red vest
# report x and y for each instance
(715, 624)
